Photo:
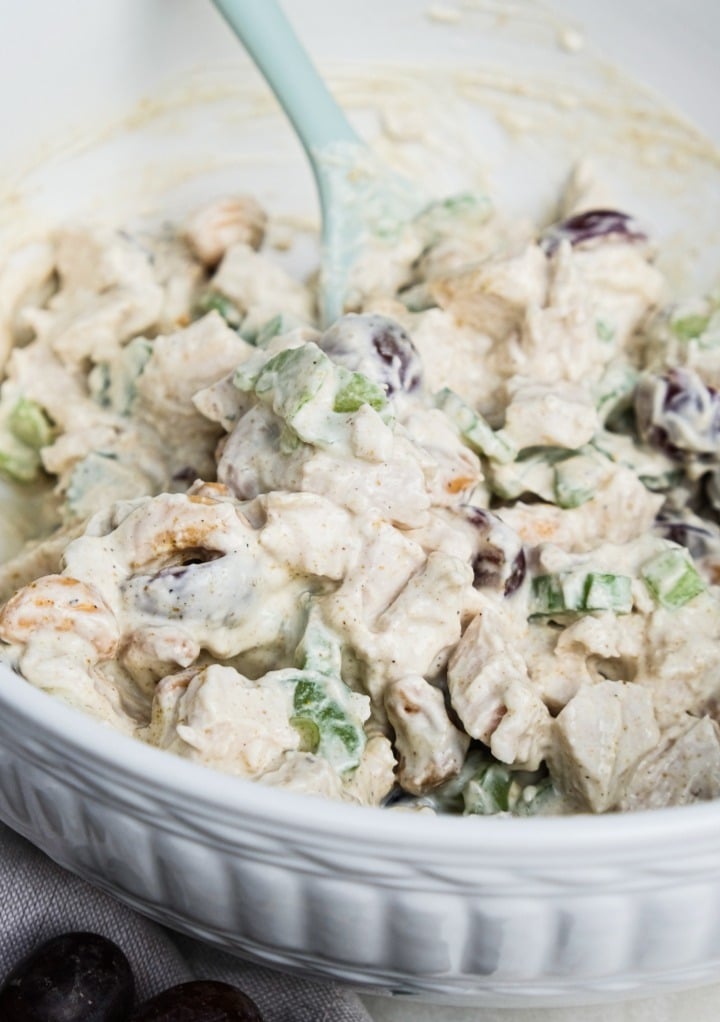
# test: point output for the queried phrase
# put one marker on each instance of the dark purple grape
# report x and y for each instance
(376, 346)
(517, 574)
(678, 413)
(201, 1000)
(185, 476)
(76, 977)
(697, 540)
(500, 559)
(590, 226)
(681, 396)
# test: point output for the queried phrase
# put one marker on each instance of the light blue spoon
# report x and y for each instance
(358, 197)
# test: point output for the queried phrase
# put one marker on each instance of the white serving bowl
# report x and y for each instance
(483, 910)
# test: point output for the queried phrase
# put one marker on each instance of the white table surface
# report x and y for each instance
(692, 1006)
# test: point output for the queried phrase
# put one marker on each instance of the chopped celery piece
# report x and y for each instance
(340, 738)
(356, 391)
(86, 473)
(113, 384)
(662, 481)
(488, 792)
(605, 591)
(268, 330)
(319, 649)
(614, 391)
(246, 375)
(478, 433)
(568, 495)
(604, 330)
(552, 594)
(325, 710)
(20, 463)
(25, 429)
(292, 358)
(485, 787)
(288, 440)
(214, 301)
(539, 799)
(579, 592)
(528, 475)
(672, 578)
(29, 424)
(542, 471)
(309, 733)
(464, 204)
(309, 392)
(577, 479)
(687, 328)
(654, 469)
(99, 479)
(461, 203)
(549, 455)
(292, 378)
(273, 327)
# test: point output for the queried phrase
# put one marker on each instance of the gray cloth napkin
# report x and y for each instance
(39, 900)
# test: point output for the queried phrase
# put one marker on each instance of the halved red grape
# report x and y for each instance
(697, 540)
(592, 225)
(500, 558)
(376, 346)
(678, 413)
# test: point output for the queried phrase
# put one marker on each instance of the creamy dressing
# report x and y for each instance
(457, 552)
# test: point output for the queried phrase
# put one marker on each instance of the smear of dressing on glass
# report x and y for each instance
(443, 14)
(570, 40)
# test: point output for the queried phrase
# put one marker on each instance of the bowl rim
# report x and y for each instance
(213, 794)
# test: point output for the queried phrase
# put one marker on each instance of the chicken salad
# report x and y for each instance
(458, 552)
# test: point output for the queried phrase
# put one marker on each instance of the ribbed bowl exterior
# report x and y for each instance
(482, 911)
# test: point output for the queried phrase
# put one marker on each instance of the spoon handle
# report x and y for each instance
(270, 40)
